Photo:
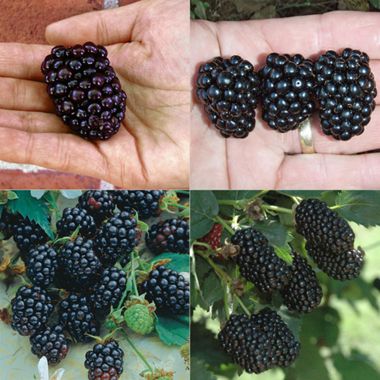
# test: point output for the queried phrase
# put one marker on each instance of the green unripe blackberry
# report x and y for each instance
(139, 319)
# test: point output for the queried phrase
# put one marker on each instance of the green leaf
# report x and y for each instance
(375, 3)
(179, 262)
(143, 226)
(212, 289)
(276, 233)
(284, 253)
(173, 330)
(200, 371)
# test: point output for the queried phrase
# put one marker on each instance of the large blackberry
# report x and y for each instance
(168, 290)
(117, 237)
(85, 90)
(79, 266)
(145, 202)
(287, 91)
(342, 265)
(98, 203)
(7, 220)
(171, 235)
(51, 343)
(109, 289)
(41, 265)
(73, 218)
(104, 361)
(346, 92)
(303, 292)
(31, 309)
(322, 226)
(258, 261)
(229, 90)
(27, 234)
(76, 315)
(259, 342)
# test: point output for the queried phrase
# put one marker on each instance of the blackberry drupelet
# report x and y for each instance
(229, 90)
(259, 342)
(31, 309)
(323, 227)
(75, 217)
(7, 220)
(51, 343)
(287, 91)
(117, 237)
(346, 92)
(303, 292)
(42, 265)
(77, 317)
(171, 235)
(98, 203)
(109, 289)
(105, 361)
(168, 290)
(86, 92)
(27, 234)
(258, 261)
(145, 202)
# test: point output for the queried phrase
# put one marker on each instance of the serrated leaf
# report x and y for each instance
(178, 262)
(212, 289)
(276, 233)
(284, 253)
(173, 330)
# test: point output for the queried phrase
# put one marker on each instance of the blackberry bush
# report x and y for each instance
(73, 218)
(98, 203)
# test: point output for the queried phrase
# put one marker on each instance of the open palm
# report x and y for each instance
(148, 46)
(268, 159)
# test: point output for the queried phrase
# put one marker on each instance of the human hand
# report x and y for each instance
(266, 158)
(148, 47)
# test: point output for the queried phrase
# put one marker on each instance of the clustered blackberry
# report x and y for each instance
(346, 92)
(73, 218)
(258, 261)
(171, 235)
(229, 91)
(98, 203)
(287, 91)
(27, 234)
(168, 290)
(85, 90)
(259, 342)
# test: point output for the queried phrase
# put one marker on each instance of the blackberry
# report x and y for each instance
(145, 202)
(109, 289)
(27, 234)
(343, 265)
(51, 343)
(79, 265)
(303, 292)
(31, 309)
(168, 290)
(323, 227)
(42, 265)
(287, 91)
(213, 238)
(259, 342)
(258, 261)
(346, 92)
(117, 237)
(98, 203)
(73, 218)
(86, 92)
(171, 235)
(229, 90)
(104, 361)
(76, 315)
(7, 220)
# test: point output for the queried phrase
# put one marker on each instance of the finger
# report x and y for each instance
(33, 122)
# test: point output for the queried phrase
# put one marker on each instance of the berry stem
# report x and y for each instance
(224, 224)
(277, 209)
(241, 303)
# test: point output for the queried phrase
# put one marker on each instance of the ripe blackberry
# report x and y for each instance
(287, 91)
(78, 264)
(303, 292)
(76, 315)
(213, 238)
(322, 226)
(98, 203)
(7, 220)
(258, 261)
(27, 234)
(171, 235)
(31, 309)
(346, 92)
(259, 342)
(229, 90)
(73, 218)
(104, 361)
(86, 92)
(109, 289)
(168, 290)
(51, 343)
(117, 237)
(42, 265)
(145, 202)
(343, 265)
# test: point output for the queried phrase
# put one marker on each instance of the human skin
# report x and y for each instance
(148, 46)
(266, 158)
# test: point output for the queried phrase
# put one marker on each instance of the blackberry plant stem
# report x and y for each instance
(282, 210)
(138, 353)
